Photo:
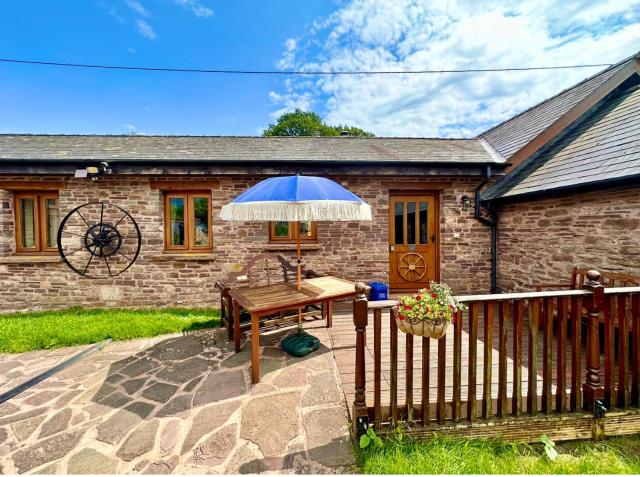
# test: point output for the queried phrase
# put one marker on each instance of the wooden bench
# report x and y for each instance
(608, 279)
(263, 269)
(578, 279)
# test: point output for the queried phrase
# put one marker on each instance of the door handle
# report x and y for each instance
(433, 238)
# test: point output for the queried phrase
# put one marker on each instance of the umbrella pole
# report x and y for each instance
(299, 260)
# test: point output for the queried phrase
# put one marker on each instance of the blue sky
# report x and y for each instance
(57, 100)
(287, 34)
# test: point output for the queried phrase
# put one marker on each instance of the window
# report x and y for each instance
(286, 232)
(187, 221)
(37, 220)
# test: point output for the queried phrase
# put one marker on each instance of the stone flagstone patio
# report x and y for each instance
(177, 404)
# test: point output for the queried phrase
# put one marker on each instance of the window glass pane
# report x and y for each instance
(176, 224)
(411, 222)
(424, 223)
(305, 230)
(28, 223)
(398, 222)
(281, 229)
(201, 221)
(52, 217)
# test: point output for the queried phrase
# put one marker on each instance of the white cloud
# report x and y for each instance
(441, 34)
(289, 55)
(133, 130)
(196, 7)
(137, 7)
(146, 30)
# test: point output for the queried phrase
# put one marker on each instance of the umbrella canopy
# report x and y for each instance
(296, 199)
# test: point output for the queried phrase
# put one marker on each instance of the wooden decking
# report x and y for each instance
(343, 342)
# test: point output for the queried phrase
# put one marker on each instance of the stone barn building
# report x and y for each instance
(522, 203)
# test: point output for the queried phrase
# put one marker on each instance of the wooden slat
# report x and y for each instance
(576, 353)
(561, 370)
(518, 317)
(635, 350)
(456, 406)
(409, 375)
(473, 351)
(532, 392)
(547, 356)
(609, 384)
(505, 306)
(393, 331)
(425, 379)
(623, 353)
(487, 364)
(377, 365)
(442, 373)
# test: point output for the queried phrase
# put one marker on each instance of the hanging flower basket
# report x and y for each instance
(429, 312)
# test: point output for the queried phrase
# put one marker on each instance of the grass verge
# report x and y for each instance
(465, 456)
(20, 332)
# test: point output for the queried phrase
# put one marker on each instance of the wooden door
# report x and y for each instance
(413, 241)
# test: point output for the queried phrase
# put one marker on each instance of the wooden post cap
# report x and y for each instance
(361, 288)
(593, 276)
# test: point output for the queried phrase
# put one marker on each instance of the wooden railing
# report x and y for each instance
(544, 348)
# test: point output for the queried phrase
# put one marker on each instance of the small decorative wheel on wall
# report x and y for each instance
(99, 240)
(412, 267)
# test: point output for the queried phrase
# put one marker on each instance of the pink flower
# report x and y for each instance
(433, 295)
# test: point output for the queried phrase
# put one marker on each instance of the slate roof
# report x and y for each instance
(603, 147)
(510, 136)
(225, 149)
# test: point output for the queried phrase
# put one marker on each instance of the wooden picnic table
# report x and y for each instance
(266, 300)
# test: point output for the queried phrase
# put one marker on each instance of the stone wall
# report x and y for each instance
(7, 239)
(358, 251)
(540, 241)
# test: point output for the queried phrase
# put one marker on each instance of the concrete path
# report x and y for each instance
(178, 404)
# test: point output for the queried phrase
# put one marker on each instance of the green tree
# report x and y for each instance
(308, 123)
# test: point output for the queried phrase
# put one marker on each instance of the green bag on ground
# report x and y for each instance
(300, 344)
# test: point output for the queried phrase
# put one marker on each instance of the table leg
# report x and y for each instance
(329, 314)
(255, 349)
(236, 325)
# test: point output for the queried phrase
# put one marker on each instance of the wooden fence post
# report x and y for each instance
(592, 387)
(360, 320)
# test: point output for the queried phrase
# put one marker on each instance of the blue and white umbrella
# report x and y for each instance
(296, 199)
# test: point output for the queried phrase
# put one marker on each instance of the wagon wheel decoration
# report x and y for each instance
(99, 240)
(412, 267)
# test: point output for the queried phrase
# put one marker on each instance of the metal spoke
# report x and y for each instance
(88, 263)
(101, 215)
(85, 221)
(118, 222)
(106, 261)
(125, 256)
(76, 250)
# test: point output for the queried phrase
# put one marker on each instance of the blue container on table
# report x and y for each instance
(378, 291)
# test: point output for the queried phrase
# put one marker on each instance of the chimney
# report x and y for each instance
(344, 133)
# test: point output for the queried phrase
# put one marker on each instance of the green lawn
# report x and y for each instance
(21, 332)
(462, 456)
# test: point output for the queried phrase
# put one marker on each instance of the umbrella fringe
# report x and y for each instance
(321, 210)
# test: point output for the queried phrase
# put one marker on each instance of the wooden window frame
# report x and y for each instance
(291, 238)
(40, 222)
(189, 219)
